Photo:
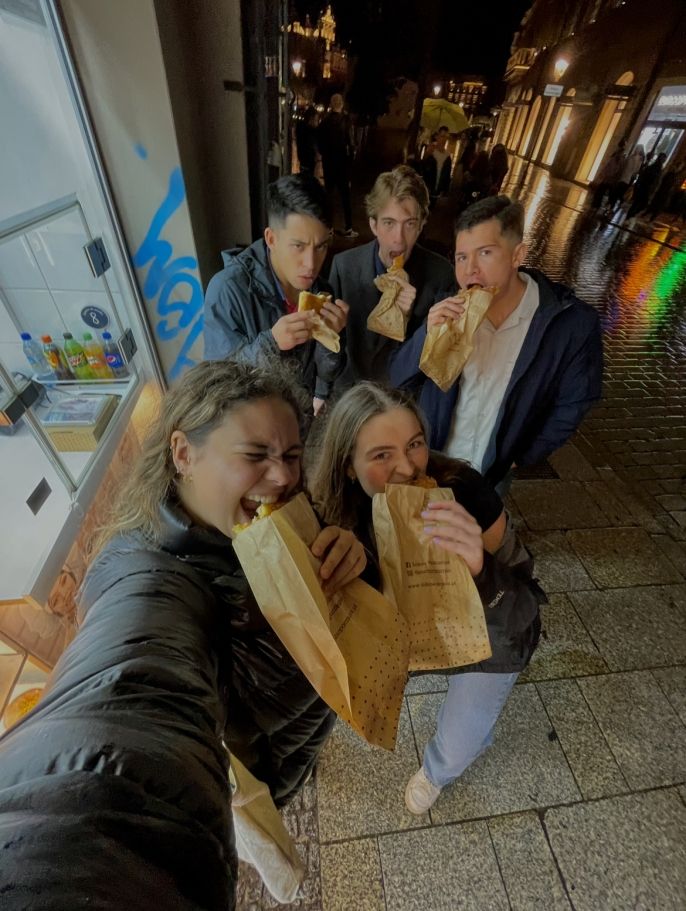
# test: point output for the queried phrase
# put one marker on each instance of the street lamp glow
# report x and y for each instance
(297, 67)
(560, 67)
(437, 89)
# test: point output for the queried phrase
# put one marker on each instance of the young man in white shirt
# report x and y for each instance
(536, 367)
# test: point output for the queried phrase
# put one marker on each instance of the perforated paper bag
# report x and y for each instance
(352, 647)
(433, 589)
(387, 318)
(447, 347)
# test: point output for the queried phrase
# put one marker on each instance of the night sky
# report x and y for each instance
(472, 37)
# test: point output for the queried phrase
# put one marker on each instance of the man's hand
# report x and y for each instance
(318, 405)
(450, 308)
(292, 330)
(345, 557)
(335, 315)
(452, 528)
(407, 294)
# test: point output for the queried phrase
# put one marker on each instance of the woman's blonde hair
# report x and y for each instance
(197, 405)
(403, 182)
(340, 500)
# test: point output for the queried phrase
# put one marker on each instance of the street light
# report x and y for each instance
(437, 89)
(297, 67)
(560, 68)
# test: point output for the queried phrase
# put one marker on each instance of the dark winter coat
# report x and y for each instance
(555, 380)
(243, 302)
(114, 791)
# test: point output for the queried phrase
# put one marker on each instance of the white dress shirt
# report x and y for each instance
(485, 378)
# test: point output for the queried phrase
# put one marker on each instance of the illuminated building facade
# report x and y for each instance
(586, 74)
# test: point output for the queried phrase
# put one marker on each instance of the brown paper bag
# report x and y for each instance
(323, 333)
(447, 347)
(352, 648)
(387, 318)
(432, 588)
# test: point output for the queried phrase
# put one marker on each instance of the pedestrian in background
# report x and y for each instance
(647, 183)
(499, 166)
(306, 140)
(335, 142)
(630, 170)
(608, 176)
(662, 198)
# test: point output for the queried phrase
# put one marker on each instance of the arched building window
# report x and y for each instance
(606, 125)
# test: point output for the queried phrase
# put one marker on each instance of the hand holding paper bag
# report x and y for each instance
(433, 589)
(447, 347)
(388, 318)
(352, 647)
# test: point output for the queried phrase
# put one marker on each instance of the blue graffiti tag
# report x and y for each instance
(167, 275)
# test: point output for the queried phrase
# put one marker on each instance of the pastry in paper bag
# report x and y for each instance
(352, 647)
(321, 332)
(433, 589)
(387, 318)
(447, 347)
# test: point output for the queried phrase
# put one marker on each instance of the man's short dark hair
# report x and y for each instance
(509, 214)
(297, 194)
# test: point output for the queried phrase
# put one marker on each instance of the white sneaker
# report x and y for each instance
(420, 794)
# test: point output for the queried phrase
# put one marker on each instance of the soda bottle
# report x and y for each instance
(55, 357)
(96, 358)
(113, 356)
(77, 358)
(36, 357)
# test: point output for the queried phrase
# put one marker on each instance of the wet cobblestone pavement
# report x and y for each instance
(580, 802)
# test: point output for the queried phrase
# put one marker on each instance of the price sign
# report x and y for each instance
(95, 317)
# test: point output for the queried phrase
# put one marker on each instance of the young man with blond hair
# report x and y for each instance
(397, 206)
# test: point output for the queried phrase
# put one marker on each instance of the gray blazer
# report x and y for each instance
(352, 279)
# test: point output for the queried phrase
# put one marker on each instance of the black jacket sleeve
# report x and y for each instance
(511, 597)
(114, 790)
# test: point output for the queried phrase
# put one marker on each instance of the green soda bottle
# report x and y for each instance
(76, 357)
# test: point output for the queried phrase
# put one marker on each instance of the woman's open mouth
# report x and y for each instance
(250, 505)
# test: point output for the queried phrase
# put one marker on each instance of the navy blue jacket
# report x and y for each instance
(555, 380)
(242, 303)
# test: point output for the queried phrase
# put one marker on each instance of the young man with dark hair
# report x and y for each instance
(397, 206)
(251, 306)
(537, 362)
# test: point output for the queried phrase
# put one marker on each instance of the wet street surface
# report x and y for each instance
(581, 802)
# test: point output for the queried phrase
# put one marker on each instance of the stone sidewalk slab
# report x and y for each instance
(672, 682)
(526, 864)
(622, 557)
(622, 853)
(595, 769)
(523, 769)
(565, 649)
(442, 869)
(556, 565)
(556, 505)
(635, 628)
(351, 876)
(360, 787)
(640, 726)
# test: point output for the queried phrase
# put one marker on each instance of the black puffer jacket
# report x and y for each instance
(114, 791)
(276, 723)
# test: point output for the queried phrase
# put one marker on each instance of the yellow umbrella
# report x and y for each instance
(437, 112)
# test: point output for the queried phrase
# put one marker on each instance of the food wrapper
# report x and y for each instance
(433, 589)
(447, 347)
(387, 318)
(352, 647)
(320, 330)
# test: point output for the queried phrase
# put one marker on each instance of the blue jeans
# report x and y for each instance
(466, 719)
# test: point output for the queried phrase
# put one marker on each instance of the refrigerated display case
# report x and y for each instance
(65, 443)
